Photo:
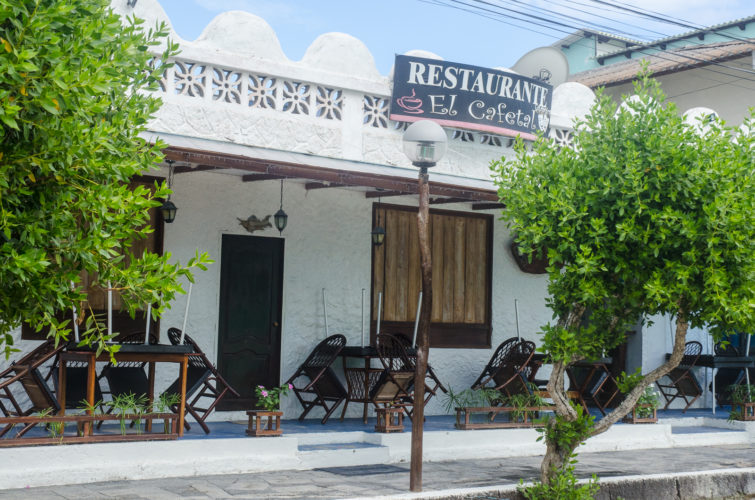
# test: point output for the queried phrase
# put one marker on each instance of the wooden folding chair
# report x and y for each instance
(203, 383)
(395, 386)
(683, 383)
(432, 382)
(507, 369)
(315, 383)
(24, 376)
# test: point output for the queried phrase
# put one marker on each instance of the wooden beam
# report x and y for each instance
(399, 185)
(384, 194)
(487, 206)
(183, 169)
(320, 185)
(260, 177)
(438, 201)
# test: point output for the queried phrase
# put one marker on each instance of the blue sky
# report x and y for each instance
(389, 27)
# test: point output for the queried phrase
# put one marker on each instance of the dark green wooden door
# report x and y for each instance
(251, 277)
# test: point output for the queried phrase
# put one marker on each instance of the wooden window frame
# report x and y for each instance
(442, 335)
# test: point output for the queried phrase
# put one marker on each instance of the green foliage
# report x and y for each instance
(129, 404)
(91, 408)
(565, 434)
(742, 393)
(645, 215)
(72, 105)
(56, 430)
(164, 404)
(471, 398)
(521, 401)
(270, 399)
(563, 486)
(648, 400)
(166, 401)
(568, 345)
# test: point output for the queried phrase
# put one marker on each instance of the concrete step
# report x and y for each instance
(703, 435)
(342, 454)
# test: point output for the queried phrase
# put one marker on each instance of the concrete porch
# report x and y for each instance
(310, 445)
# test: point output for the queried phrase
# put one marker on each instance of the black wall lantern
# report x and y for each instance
(168, 209)
(281, 217)
(378, 233)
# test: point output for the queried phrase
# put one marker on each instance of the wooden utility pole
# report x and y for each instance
(423, 337)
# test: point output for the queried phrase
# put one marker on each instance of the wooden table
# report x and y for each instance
(129, 352)
(360, 380)
(715, 362)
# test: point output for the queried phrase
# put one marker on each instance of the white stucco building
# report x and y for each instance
(238, 117)
(245, 126)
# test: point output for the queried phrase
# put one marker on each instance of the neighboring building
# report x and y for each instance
(701, 68)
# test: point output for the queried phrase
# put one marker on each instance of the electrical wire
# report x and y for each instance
(570, 4)
(602, 27)
(475, 11)
(574, 28)
(659, 17)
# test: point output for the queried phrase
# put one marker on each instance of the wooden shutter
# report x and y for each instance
(97, 298)
(461, 254)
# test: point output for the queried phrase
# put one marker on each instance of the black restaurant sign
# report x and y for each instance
(469, 97)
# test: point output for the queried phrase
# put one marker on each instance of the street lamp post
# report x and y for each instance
(424, 144)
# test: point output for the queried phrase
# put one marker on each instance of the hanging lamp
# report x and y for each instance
(168, 208)
(281, 217)
(378, 232)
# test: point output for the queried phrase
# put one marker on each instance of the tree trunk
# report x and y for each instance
(557, 455)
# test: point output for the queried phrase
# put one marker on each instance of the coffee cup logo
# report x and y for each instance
(411, 104)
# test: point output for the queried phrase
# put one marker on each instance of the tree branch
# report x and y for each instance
(680, 338)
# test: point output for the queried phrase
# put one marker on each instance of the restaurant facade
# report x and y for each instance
(250, 133)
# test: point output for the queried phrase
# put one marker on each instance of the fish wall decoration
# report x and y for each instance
(252, 223)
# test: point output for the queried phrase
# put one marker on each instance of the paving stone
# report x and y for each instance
(437, 476)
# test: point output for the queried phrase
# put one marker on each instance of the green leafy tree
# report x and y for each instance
(645, 215)
(73, 101)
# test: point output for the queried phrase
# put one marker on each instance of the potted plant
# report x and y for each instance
(535, 263)
(645, 411)
(164, 404)
(266, 421)
(479, 408)
(742, 402)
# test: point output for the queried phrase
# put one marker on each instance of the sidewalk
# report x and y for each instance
(393, 479)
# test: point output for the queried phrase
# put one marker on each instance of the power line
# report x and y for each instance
(603, 27)
(647, 15)
(574, 28)
(570, 4)
(476, 11)
(656, 13)
(496, 16)
(659, 17)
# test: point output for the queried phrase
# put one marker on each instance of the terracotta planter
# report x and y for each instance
(484, 417)
(77, 429)
(632, 418)
(747, 410)
(264, 423)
